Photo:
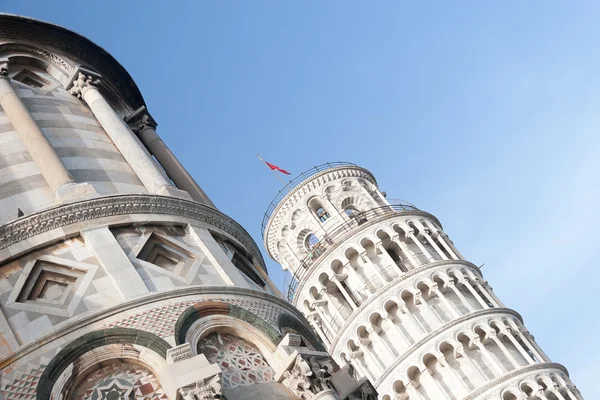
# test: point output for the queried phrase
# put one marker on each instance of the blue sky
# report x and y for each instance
(486, 115)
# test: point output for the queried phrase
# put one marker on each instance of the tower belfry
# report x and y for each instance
(391, 296)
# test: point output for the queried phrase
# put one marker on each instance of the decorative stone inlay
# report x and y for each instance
(108, 206)
(46, 55)
(207, 389)
(241, 363)
(178, 353)
(51, 285)
(120, 381)
(167, 256)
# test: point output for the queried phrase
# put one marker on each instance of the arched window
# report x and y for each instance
(317, 208)
(310, 241)
(241, 362)
(322, 214)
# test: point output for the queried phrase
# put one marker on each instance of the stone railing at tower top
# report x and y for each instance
(338, 235)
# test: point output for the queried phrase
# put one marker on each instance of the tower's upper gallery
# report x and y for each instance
(314, 204)
(61, 51)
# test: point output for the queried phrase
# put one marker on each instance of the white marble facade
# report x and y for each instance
(390, 294)
(117, 272)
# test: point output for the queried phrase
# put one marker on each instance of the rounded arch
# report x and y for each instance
(207, 309)
(93, 340)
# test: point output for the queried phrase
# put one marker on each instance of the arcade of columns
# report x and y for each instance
(389, 293)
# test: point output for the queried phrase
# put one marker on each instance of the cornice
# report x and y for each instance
(108, 206)
(418, 345)
(384, 290)
(55, 44)
(514, 374)
(357, 230)
(148, 299)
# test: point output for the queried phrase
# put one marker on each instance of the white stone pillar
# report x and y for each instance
(389, 321)
(331, 304)
(419, 298)
(412, 392)
(357, 278)
(438, 292)
(343, 291)
(405, 310)
(364, 256)
(498, 341)
(427, 377)
(324, 320)
(451, 375)
(467, 284)
(374, 333)
(425, 252)
(439, 235)
(406, 252)
(134, 152)
(508, 333)
(557, 393)
(462, 352)
(459, 294)
(528, 340)
(373, 364)
(41, 151)
(368, 372)
(388, 259)
(449, 242)
(493, 363)
(433, 243)
(485, 292)
(315, 323)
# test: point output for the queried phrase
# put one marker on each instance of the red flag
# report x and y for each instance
(276, 168)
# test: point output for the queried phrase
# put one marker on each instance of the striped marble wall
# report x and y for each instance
(78, 139)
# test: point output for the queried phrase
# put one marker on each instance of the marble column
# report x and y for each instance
(438, 292)
(406, 252)
(41, 151)
(134, 152)
(434, 244)
(494, 336)
(343, 291)
(425, 252)
(439, 236)
(459, 294)
(145, 128)
(493, 363)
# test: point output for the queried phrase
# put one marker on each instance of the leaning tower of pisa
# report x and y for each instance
(119, 277)
(391, 296)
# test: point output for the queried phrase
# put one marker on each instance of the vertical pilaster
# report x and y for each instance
(43, 155)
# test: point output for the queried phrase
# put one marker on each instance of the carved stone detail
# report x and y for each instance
(204, 390)
(50, 57)
(82, 83)
(61, 216)
(178, 353)
(308, 376)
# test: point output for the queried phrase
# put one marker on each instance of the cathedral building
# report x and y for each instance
(119, 278)
(395, 301)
